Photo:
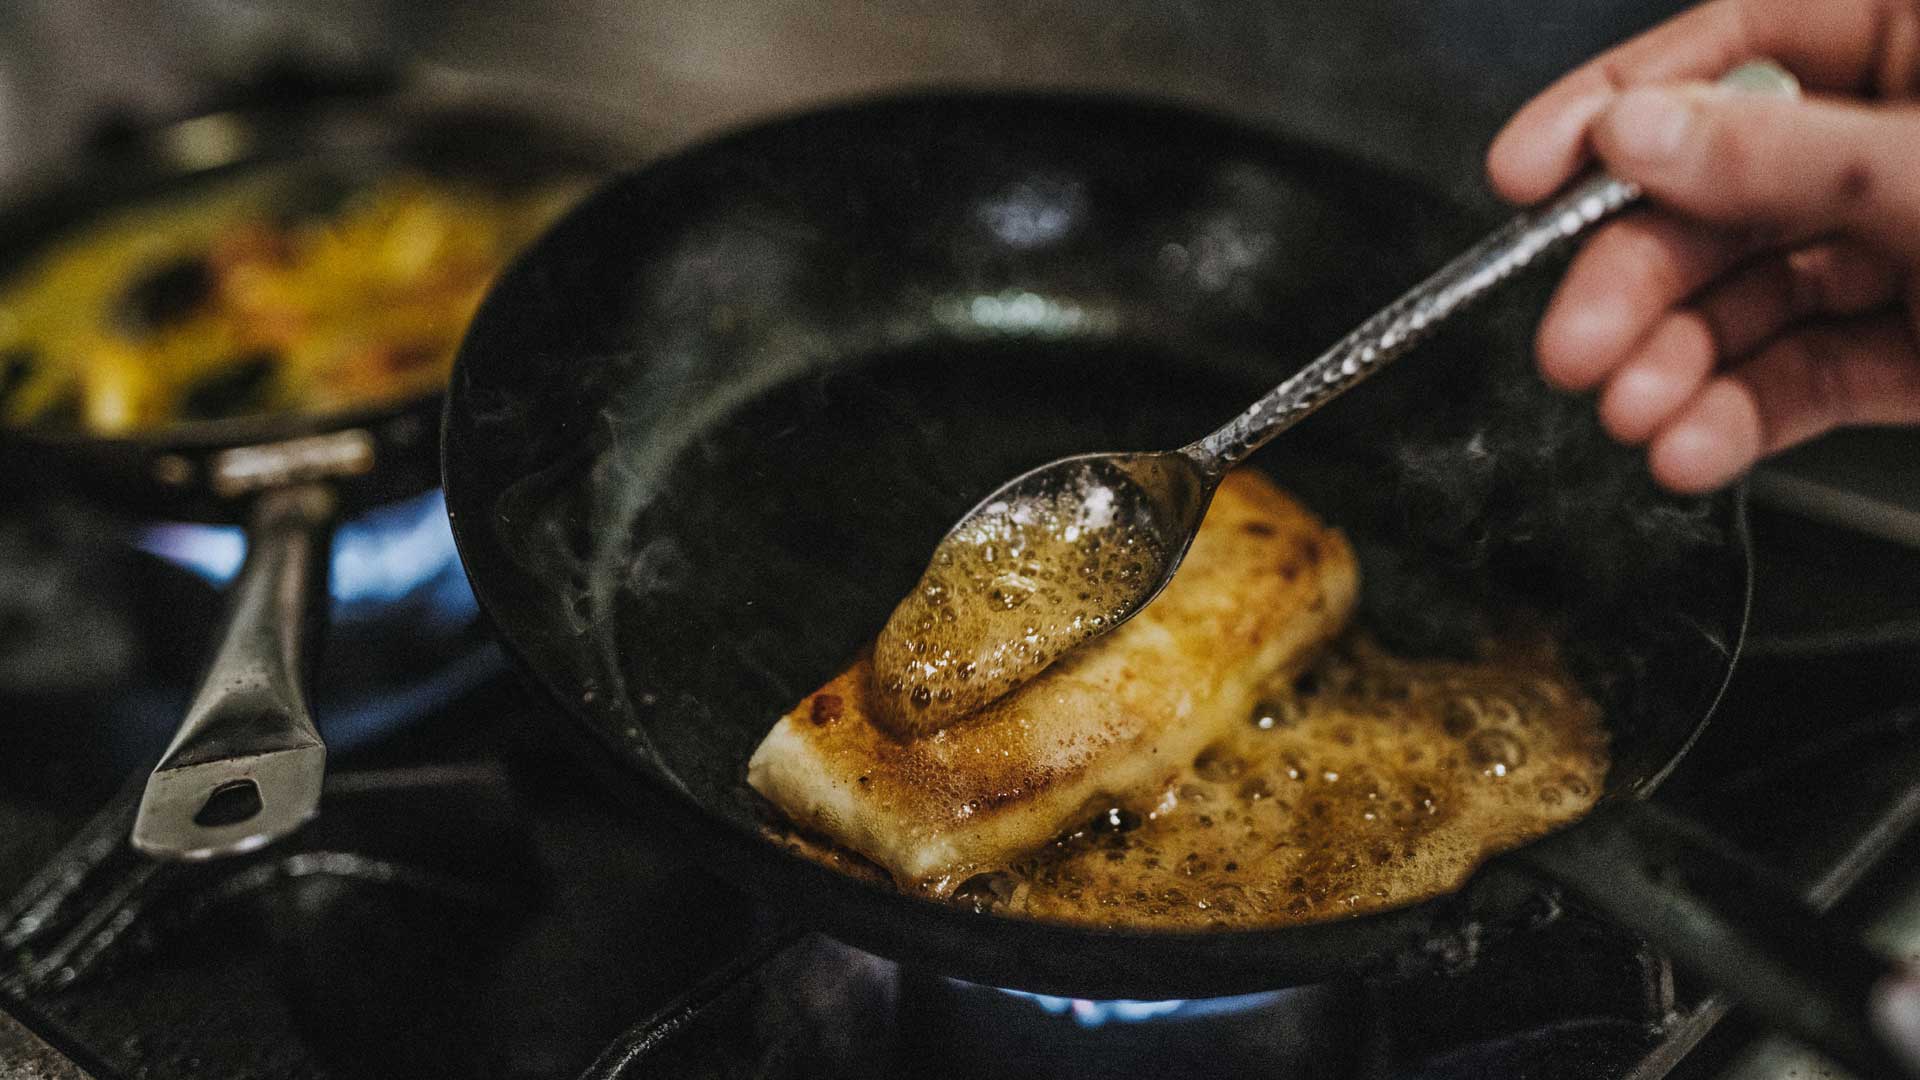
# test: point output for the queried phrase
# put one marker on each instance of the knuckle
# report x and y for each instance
(1613, 72)
(1870, 192)
(1853, 187)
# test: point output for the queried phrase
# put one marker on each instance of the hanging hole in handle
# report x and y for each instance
(230, 804)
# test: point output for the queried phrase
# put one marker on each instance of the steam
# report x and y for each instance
(1497, 495)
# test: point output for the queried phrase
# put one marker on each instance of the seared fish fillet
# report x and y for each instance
(1264, 586)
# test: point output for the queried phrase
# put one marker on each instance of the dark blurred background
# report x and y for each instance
(1418, 83)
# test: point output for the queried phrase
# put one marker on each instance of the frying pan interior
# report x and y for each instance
(703, 436)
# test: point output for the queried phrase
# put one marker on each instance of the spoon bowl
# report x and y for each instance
(1054, 557)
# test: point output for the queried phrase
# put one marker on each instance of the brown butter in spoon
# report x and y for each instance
(1017, 585)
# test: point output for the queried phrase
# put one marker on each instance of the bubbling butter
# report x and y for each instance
(1009, 591)
(1373, 782)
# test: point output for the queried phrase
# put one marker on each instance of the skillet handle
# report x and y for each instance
(246, 765)
(1729, 922)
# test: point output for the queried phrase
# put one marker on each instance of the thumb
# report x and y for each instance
(1805, 167)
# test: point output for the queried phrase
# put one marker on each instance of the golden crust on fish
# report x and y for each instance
(1265, 585)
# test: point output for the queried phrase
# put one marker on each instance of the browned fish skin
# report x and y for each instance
(1265, 585)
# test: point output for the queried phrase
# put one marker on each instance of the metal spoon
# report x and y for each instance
(1063, 554)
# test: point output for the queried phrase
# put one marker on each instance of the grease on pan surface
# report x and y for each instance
(1235, 756)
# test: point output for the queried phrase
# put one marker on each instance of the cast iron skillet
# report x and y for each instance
(246, 765)
(701, 437)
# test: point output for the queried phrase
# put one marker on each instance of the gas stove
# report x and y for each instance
(433, 921)
(469, 905)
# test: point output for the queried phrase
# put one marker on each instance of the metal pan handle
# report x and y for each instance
(1727, 921)
(246, 765)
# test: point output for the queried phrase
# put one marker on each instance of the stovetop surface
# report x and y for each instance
(469, 904)
(466, 905)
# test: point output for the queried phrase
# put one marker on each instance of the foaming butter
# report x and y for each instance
(1010, 590)
(1373, 782)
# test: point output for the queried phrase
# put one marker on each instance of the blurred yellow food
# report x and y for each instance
(225, 303)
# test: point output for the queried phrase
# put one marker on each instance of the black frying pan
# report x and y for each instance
(246, 765)
(702, 436)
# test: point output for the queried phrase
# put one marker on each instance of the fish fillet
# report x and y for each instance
(1263, 587)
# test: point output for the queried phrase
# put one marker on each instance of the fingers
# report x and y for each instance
(1666, 369)
(1619, 285)
(1861, 371)
(1661, 377)
(1837, 45)
(1800, 167)
(1545, 143)
(1836, 278)
(1716, 437)
(1629, 319)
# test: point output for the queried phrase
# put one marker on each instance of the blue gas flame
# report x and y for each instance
(1093, 1014)
(400, 552)
(394, 562)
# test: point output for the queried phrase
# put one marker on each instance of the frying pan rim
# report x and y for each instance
(1738, 498)
(692, 814)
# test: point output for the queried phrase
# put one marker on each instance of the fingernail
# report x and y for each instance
(1896, 1008)
(1650, 124)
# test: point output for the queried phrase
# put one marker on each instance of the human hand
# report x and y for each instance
(1771, 292)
